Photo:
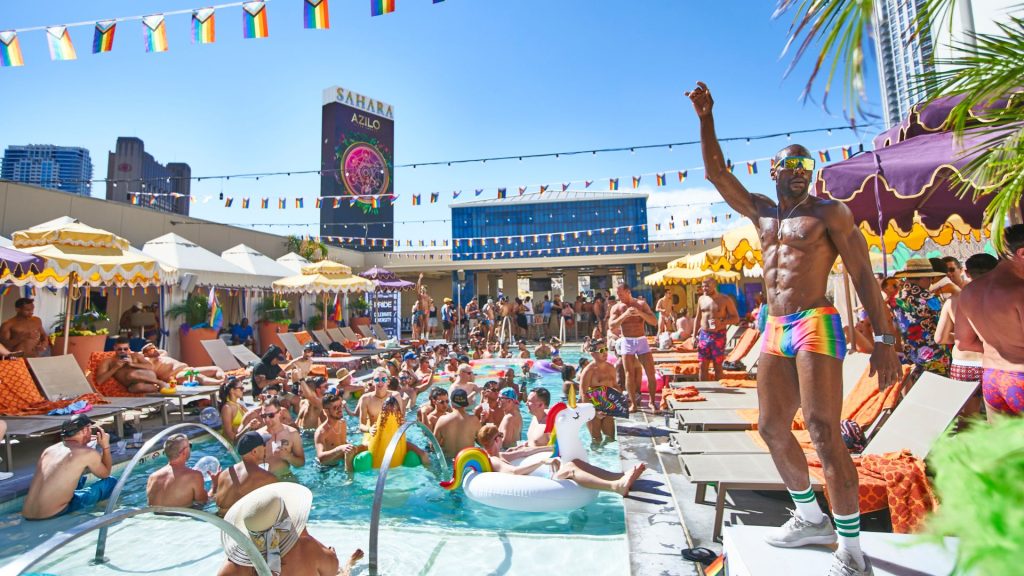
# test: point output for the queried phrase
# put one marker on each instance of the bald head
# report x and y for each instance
(791, 184)
(792, 150)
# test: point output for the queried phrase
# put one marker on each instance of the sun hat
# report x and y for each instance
(459, 398)
(273, 516)
(250, 441)
(342, 373)
(918, 268)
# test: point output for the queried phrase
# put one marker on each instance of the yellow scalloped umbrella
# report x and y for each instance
(742, 243)
(697, 261)
(689, 276)
(322, 277)
(954, 228)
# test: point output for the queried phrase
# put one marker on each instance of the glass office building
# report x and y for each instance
(63, 168)
(552, 224)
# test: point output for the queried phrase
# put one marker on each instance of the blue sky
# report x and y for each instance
(467, 78)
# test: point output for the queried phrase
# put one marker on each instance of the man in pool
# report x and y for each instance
(465, 380)
(58, 484)
(802, 356)
(331, 438)
(537, 403)
(176, 484)
(512, 420)
(369, 405)
(434, 408)
(311, 410)
(583, 473)
(456, 429)
(129, 369)
(489, 409)
(244, 477)
(284, 447)
(598, 375)
(543, 350)
(631, 316)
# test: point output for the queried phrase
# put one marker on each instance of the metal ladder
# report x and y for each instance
(382, 479)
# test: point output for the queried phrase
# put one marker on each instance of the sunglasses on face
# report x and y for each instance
(268, 415)
(794, 162)
(380, 380)
(602, 350)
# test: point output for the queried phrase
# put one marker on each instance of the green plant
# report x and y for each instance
(195, 310)
(312, 250)
(359, 305)
(985, 68)
(271, 309)
(83, 324)
(315, 322)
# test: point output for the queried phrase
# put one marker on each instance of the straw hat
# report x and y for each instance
(274, 517)
(918, 268)
(342, 373)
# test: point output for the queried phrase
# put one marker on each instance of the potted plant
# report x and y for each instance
(274, 317)
(195, 311)
(84, 336)
(360, 315)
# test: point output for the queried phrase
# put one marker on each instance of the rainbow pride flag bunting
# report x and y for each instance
(660, 179)
(216, 313)
(103, 37)
(751, 167)
(381, 7)
(155, 32)
(433, 197)
(415, 199)
(636, 181)
(10, 49)
(824, 155)
(716, 568)
(315, 15)
(59, 40)
(613, 184)
(204, 26)
(847, 152)
(682, 175)
(254, 20)
(502, 192)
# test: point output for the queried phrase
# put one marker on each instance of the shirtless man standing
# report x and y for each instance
(311, 410)
(457, 429)
(599, 374)
(24, 332)
(508, 314)
(715, 313)
(176, 484)
(133, 371)
(168, 369)
(511, 424)
(990, 320)
(801, 360)
(666, 314)
(284, 446)
(244, 477)
(425, 302)
(58, 484)
(331, 438)
(630, 315)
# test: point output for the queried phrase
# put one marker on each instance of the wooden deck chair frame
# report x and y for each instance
(917, 422)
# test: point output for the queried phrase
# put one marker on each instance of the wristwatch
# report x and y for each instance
(887, 339)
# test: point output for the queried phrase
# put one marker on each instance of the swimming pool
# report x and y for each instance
(424, 529)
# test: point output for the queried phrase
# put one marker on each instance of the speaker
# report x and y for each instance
(462, 276)
(187, 282)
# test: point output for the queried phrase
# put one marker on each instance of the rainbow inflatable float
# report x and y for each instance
(537, 492)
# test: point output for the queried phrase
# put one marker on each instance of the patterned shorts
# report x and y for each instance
(711, 345)
(818, 330)
(965, 373)
(1004, 391)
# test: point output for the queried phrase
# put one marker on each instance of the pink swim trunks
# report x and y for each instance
(1004, 390)
(626, 346)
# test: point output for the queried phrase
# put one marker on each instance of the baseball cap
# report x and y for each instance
(509, 393)
(250, 441)
(409, 356)
(460, 398)
(453, 356)
(73, 425)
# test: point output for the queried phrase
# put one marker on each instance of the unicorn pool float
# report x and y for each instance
(537, 492)
(388, 422)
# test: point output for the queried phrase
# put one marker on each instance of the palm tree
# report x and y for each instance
(308, 248)
(986, 68)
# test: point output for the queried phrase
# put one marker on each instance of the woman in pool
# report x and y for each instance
(231, 410)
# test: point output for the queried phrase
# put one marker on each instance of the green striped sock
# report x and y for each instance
(848, 529)
(807, 505)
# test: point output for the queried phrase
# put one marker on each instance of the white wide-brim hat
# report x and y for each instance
(273, 516)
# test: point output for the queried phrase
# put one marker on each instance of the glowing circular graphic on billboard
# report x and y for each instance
(364, 170)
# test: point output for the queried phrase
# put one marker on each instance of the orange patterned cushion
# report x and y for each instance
(111, 387)
(19, 395)
(303, 337)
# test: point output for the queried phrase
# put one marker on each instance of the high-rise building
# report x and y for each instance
(904, 55)
(63, 168)
(135, 177)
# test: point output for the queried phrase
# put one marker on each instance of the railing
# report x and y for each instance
(382, 479)
(20, 564)
(101, 544)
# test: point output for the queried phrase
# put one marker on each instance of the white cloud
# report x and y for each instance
(681, 208)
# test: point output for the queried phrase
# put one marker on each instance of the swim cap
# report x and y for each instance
(509, 393)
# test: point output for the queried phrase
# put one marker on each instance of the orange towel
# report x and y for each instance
(896, 481)
(674, 357)
(862, 405)
(686, 346)
(19, 395)
(303, 337)
(687, 394)
(738, 383)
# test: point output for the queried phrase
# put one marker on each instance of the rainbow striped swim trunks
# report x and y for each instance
(818, 330)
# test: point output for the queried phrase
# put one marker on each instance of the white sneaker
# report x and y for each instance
(843, 564)
(799, 532)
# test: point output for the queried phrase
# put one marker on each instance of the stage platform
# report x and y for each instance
(747, 554)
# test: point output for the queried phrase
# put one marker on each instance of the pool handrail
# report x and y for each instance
(101, 543)
(382, 479)
(23, 562)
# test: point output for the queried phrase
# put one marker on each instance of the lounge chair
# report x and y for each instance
(363, 330)
(747, 347)
(349, 334)
(244, 355)
(61, 377)
(743, 419)
(378, 332)
(919, 419)
(25, 427)
(322, 337)
(294, 347)
(291, 344)
(221, 356)
(336, 335)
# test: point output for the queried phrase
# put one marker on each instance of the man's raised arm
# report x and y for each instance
(734, 194)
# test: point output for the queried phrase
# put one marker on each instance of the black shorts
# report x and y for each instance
(446, 324)
(521, 321)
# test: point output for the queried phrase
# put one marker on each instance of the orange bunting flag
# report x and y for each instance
(433, 197)
(543, 189)
(636, 181)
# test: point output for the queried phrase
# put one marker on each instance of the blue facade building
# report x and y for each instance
(64, 168)
(550, 225)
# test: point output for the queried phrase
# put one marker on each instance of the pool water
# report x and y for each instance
(424, 528)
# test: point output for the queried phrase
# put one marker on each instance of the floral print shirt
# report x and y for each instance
(917, 315)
